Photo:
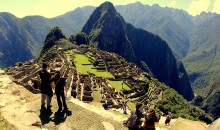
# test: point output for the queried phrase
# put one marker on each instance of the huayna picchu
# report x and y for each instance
(108, 31)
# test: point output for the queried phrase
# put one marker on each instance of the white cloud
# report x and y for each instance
(216, 7)
(197, 6)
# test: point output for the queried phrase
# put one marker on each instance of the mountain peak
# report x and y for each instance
(104, 12)
(107, 6)
(54, 35)
(138, 3)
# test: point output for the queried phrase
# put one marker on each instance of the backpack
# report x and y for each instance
(131, 122)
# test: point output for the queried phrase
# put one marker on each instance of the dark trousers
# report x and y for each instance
(61, 95)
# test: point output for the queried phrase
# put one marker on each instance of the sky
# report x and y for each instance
(52, 8)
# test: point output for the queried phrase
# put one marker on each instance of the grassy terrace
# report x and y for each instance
(131, 105)
(83, 65)
(118, 85)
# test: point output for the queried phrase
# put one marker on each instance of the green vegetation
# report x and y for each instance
(114, 63)
(54, 35)
(211, 104)
(79, 38)
(90, 56)
(70, 57)
(97, 95)
(179, 107)
(118, 85)
(83, 65)
(48, 56)
(131, 105)
(202, 62)
(65, 44)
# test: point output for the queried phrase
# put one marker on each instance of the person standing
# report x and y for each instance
(60, 84)
(124, 107)
(46, 89)
(134, 121)
(151, 120)
(168, 119)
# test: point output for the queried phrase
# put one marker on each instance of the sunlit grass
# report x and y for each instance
(131, 105)
(83, 65)
(118, 85)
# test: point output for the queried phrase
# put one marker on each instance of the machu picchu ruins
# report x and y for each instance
(88, 86)
(95, 76)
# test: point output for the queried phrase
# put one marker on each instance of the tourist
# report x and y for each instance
(105, 105)
(124, 107)
(168, 119)
(60, 84)
(151, 120)
(134, 121)
(46, 89)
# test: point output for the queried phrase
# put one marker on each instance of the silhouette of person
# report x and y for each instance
(59, 91)
(124, 107)
(46, 90)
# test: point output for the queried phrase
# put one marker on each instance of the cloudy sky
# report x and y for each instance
(52, 8)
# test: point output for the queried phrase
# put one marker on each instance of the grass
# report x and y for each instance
(118, 85)
(97, 95)
(89, 68)
(83, 65)
(131, 105)
(68, 55)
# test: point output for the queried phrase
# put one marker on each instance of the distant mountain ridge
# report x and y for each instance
(37, 27)
(202, 63)
(22, 38)
(16, 43)
(177, 35)
(172, 25)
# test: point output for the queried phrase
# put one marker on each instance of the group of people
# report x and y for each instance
(48, 83)
(138, 120)
(135, 121)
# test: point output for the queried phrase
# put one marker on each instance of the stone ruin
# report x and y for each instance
(83, 85)
(134, 77)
